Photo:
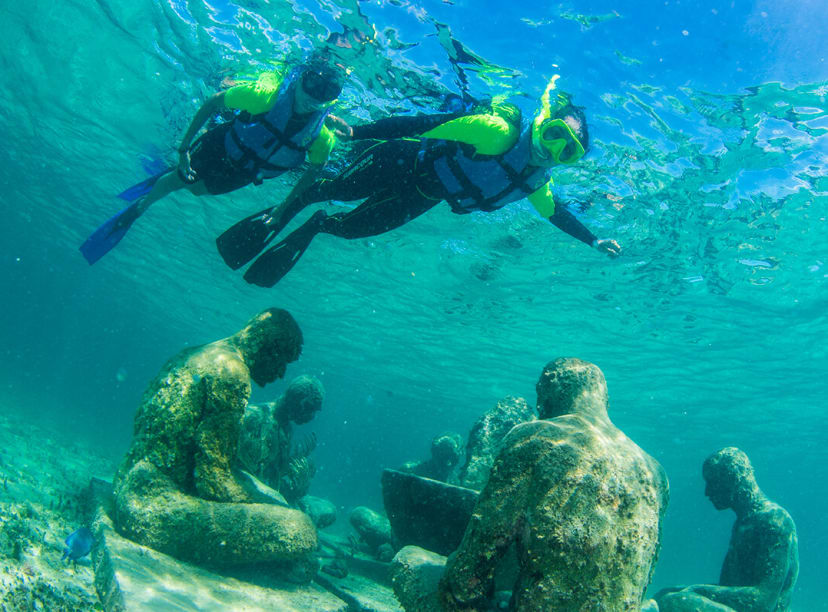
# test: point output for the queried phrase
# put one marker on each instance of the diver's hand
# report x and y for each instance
(339, 127)
(185, 168)
(610, 247)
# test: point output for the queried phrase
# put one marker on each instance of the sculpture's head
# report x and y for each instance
(270, 340)
(446, 449)
(303, 399)
(569, 386)
(728, 477)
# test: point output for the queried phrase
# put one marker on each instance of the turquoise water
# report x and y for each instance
(709, 167)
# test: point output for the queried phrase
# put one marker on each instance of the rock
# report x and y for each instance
(385, 552)
(426, 512)
(415, 575)
(372, 527)
(486, 436)
(321, 511)
(580, 501)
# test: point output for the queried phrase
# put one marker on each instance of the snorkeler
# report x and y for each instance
(481, 161)
(280, 120)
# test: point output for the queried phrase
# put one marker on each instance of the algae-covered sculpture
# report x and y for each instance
(176, 490)
(762, 562)
(266, 447)
(446, 451)
(486, 436)
(581, 502)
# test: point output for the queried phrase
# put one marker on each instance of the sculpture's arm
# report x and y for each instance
(217, 433)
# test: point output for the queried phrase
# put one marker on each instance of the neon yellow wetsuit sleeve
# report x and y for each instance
(488, 134)
(543, 200)
(321, 147)
(255, 97)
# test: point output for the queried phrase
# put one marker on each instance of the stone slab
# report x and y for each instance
(361, 593)
(425, 512)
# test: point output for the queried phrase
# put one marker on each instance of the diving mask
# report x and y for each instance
(559, 142)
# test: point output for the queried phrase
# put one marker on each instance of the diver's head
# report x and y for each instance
(559, 130)
(319, 85)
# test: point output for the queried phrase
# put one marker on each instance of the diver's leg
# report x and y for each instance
(379, 167)
(380, 213)
(164, 186)
(385, 165)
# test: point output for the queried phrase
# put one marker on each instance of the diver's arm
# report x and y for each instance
(293, 201)
(560, 217)
(566, 221)
(213, 104)
(318, 154)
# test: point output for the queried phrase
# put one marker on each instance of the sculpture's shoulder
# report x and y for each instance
(219, 360)
(774, 520)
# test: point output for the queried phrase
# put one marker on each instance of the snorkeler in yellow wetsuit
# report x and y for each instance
(480, 161)
(280, 120)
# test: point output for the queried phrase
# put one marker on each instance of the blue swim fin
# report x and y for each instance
(109, 234)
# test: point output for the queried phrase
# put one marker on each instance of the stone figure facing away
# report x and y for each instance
(762, 562)
(580, 500)
(176, 491)
(266, 447)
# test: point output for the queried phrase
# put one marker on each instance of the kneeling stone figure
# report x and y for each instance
(176, 490)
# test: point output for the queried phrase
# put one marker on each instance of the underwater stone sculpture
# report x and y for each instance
(580, 500)
(175, 490)
(265, 444)
(486, 436)
(446, 450)
(762, 562)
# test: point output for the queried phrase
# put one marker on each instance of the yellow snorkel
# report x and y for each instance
(554, 137)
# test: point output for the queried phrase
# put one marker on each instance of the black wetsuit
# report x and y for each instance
(397, 181)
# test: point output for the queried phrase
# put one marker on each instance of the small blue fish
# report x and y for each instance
(78, 544)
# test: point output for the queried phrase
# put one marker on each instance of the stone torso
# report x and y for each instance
(170, 416)
(759, 543)
(590, 535)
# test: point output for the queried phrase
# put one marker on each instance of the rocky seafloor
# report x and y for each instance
(42, 480)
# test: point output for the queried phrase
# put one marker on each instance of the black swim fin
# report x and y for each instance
(277, 261)
(244, 240)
